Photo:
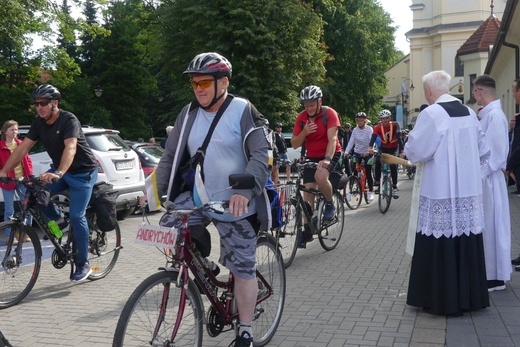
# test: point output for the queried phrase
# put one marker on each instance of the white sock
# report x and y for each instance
(245, 330)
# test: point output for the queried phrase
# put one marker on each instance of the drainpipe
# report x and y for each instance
(517, 60)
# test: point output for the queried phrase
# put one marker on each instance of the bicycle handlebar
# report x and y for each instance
(215, 206)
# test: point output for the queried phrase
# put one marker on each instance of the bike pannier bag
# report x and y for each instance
(103, 201)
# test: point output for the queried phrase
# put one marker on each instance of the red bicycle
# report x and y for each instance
(356, 188)
(167, 308)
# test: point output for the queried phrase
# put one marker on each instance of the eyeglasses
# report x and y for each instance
(204, 84)
(42, 103)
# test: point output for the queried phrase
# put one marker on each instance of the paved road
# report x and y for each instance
(352, 296)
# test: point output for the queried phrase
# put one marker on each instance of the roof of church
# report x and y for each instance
(482, 38)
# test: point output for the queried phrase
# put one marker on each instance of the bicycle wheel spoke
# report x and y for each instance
(331, 233)
(149, 317)
(268, 313)
(104, 250)
(19, 269)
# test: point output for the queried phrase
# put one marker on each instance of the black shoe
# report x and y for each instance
(394, 187)
(494, 285)
(242, 341)
(516, 261)
(376, 188)
(515, 192)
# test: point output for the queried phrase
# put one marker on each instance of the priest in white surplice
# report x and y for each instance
(448, 274)
(497, 230)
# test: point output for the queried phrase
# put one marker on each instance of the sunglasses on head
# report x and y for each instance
(42, 103)
(203, 84)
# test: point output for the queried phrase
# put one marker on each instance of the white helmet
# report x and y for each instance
(385, 114)
(310, 93)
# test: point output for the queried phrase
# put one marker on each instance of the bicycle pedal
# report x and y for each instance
(396, 196)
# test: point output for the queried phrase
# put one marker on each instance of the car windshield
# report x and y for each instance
(151, 153)
(107, 142)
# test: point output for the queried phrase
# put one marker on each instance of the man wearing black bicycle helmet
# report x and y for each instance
(237, 145)
(73, 166)
(317, 127)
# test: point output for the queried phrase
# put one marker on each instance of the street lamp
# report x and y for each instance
(405, 98)
(98, 91)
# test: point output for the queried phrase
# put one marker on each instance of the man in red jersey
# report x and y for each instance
(391, 142)
(317, 127)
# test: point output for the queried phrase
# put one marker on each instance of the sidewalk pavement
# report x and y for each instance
(354, 295)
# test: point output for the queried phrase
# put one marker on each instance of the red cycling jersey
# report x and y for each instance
(316, 143)
(388, 134)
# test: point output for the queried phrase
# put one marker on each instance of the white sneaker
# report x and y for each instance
(370, 196)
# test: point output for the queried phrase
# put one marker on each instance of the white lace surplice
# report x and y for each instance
(451, 148)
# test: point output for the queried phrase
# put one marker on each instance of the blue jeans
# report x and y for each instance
(80, 189)
(9, 205)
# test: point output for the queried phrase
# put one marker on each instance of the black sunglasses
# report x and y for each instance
(42, 103)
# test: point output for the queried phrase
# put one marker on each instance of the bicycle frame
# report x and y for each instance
(189, 259)
(361, 174)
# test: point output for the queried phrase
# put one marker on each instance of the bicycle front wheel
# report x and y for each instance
(331, 232)
(268, 311)
(385, 194)
(104, 250)
(149, 316)
(20, 266)
(353, 193)
(287, 236)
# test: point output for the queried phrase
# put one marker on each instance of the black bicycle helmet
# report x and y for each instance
(46, 91)
(310, 93)
(361, 115)
(347, 125)
(209, 64)
(278, 124)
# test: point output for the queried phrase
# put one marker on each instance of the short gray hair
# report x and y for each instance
(169, 128)
(438, 81)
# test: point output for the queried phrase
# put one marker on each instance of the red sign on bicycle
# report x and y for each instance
(156, 235)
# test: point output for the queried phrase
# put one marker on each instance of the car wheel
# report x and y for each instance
(122, 214)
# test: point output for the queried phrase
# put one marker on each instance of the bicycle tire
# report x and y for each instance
(330, 234)
(385, 194)
(104, 250)
(268, 313)
(139, 317)
(353, 187)
(17, 280)
(287, 236)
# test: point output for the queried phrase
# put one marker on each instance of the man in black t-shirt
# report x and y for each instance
(73, 166)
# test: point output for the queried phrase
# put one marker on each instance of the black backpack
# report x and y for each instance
(103, 202)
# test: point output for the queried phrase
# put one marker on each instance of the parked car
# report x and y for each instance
(118, 165)
(292, 154)
(149, 153)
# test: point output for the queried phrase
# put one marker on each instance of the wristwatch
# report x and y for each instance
(328, 157)
(59, 173)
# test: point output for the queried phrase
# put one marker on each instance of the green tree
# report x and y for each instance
(120, 68)
(18, 67)
(275, 48)
(360, 40)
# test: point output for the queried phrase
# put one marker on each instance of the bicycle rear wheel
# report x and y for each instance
(149, 316)
(268, 312)
(18, 271)
(331, 232)
(287, 236)
(385, 194)
(104, 250)
(353, 193)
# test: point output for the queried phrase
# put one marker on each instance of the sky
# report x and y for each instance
(402, 16)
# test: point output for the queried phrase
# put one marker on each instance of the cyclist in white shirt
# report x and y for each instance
(360, 140)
